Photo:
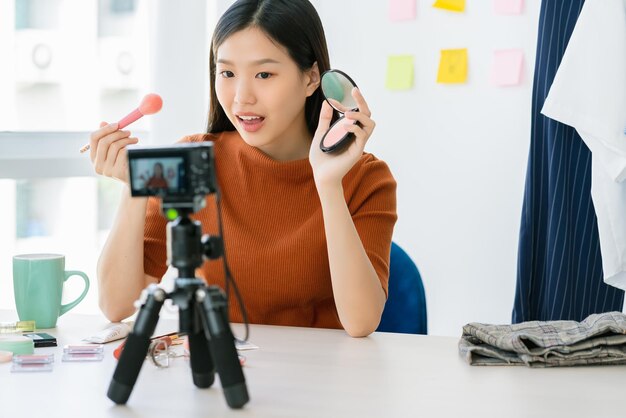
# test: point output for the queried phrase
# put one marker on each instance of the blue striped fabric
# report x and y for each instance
(559, 272)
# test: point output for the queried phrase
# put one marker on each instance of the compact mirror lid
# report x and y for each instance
(337, 88)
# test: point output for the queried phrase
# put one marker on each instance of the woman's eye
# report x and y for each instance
(227, 74)
(263, 75)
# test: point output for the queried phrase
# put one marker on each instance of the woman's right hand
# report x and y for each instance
(108, 151)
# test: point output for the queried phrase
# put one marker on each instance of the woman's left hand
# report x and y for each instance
(329, 168)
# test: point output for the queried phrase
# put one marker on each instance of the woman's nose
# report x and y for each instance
(244, 93)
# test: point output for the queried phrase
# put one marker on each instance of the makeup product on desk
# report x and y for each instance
(84, 352)
(5, 356)
(17, 344)
(33, 363)
(337, 89)
(17, 327)
(42, 339)
(245, 345)
(84, 349)
(113, 332)
(151, 104)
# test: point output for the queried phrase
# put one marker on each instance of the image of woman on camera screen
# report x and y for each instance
(157, 180)
(307, 233)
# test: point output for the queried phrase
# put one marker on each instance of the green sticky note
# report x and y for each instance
(399, 72)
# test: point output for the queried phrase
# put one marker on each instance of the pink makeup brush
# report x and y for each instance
(150, 105)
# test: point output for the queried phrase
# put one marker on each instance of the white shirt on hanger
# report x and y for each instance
(589, 94)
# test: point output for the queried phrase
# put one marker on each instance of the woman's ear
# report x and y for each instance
(313, 79)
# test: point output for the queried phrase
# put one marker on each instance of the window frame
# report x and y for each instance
(31, 155)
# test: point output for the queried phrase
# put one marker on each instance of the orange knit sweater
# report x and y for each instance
(274, 232)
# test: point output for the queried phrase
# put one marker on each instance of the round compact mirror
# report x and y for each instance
(337, 89)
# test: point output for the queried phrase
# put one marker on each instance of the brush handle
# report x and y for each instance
(130, 118)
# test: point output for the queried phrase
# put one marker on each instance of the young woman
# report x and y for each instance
(157, 180)
(307, 234)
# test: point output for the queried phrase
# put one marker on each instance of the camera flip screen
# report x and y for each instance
(152, 176)
(181, 175)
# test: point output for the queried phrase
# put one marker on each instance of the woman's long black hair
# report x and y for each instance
(293, 24)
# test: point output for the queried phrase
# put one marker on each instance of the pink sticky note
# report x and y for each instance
(400, 10)
(507, 67)
(508, 7)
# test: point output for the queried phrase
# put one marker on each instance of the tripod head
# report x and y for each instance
(187, 247)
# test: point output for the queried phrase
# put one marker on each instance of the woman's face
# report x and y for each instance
(158, 170)
(263, 93)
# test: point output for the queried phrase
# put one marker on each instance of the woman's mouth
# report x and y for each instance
(251, 123)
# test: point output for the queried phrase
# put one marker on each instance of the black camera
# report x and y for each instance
(181, 175)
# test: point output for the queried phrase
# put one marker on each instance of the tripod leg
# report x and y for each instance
(202, 368)
(213, 309)
(136, 347)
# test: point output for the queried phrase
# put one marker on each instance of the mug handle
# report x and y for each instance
(68, 274)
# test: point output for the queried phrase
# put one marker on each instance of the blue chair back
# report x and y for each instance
(405, 310)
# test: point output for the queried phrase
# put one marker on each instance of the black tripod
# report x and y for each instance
(203, 316)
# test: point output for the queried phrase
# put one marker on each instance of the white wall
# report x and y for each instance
(458, 152)
(179, 63)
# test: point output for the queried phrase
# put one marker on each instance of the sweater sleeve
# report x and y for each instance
(371, 196)
(154, 241)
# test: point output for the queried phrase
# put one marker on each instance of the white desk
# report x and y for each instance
(316, 373)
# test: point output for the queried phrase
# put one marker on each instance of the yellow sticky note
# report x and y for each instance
(399, 72)
(452, 5)
(452, 66)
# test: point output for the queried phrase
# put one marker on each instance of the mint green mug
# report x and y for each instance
(38, 281)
